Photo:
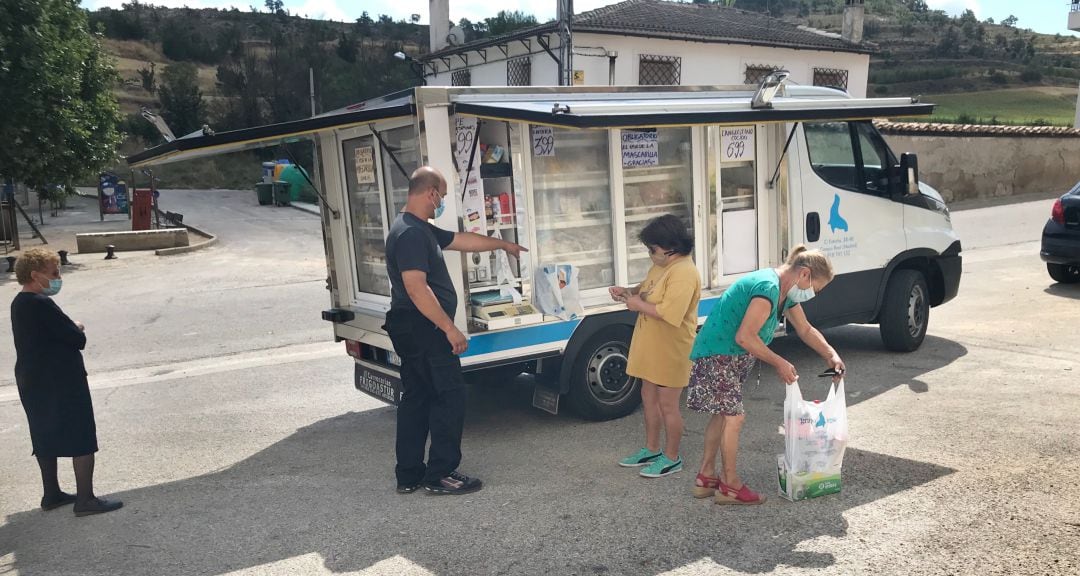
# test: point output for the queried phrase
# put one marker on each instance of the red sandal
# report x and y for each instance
(705, 486)
(743, 496)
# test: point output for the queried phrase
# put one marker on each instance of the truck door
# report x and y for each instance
(848, 214)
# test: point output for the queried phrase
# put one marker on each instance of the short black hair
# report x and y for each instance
(668, 232)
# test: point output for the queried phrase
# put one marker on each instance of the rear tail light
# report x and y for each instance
(1057, 213)
(353, 348)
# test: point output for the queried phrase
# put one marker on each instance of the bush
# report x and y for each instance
(966, 119)
(1031, 75)
(999, 78)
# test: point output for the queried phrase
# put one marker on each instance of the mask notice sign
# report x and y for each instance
(365, 164)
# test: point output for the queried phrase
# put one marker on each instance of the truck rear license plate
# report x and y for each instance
(382, 383)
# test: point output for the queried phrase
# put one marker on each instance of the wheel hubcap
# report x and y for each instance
(607, 378)
(916, 312)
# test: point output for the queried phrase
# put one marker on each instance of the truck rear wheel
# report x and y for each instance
(600, 389)
(905, 312)
(1064, 273)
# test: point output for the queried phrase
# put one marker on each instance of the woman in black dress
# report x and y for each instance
(52, 384)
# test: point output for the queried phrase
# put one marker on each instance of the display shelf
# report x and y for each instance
(576, 223)
(495, 171)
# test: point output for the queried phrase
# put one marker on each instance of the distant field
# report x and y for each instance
(1046, 105)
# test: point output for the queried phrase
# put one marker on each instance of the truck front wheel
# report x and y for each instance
(905, 312)
(600, 389)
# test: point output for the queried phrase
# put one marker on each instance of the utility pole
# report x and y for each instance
(566, 42)
(311, 86)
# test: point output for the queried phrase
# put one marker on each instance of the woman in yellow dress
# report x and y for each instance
(667, 306)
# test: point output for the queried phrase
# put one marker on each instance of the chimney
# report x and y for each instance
(439, 26)
(853, 21)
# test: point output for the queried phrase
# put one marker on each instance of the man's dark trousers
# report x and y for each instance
(433, 400)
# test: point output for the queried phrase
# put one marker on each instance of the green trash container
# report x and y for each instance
(281, 192)
(265, 192)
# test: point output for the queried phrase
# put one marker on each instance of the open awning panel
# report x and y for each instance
(199, 145)
(606, 111)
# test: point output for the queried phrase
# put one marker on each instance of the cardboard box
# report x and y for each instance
(805, 485)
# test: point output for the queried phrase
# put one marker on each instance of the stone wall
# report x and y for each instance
(979, 162)
(132, 240)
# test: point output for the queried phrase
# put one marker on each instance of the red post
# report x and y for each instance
(141, 208)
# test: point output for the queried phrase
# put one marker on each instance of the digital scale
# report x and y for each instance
(498, 316)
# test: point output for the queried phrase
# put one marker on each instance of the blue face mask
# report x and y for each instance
(54, 287)
(800, 295)
(439, 207)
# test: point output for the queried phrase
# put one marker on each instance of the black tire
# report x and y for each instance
(599, 386)
(495, 376)
(905, 312)
(1064, 273)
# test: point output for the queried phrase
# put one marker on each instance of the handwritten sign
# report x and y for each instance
(737, 144)
(465, 137)
(640, 148)
(543, 141)
(365, 164)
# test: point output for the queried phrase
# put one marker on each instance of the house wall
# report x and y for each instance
(702, 63)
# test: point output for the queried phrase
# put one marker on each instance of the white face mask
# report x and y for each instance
(800, 295)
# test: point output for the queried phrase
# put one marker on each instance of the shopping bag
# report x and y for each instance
(815, 438)
(555, 291)
(504, 274)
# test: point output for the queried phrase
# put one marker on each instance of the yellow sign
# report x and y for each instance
(579, 77)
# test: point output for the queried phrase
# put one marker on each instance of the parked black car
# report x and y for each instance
(1061, 238)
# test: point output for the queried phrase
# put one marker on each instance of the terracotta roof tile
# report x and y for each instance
(932, 129)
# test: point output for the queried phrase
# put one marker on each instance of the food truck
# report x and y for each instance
(573, 174)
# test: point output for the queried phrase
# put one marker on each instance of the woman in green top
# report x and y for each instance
(737, 332)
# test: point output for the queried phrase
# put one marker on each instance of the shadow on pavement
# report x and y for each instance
(1064, 290)
(555, 502)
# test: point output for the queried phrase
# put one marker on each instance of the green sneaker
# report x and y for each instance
(643, 457)
(662, 466)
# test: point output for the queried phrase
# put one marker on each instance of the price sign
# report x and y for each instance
(543, 141)
(465, 136)
(737, 144)
(365, 164)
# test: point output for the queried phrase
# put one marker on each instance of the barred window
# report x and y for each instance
(519, 71)
(461, 78)
(756, 73)
(659, 70)
(831, 77)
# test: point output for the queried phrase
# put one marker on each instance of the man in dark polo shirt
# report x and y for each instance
(421, 326)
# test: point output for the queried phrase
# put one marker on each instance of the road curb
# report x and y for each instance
(211, 239)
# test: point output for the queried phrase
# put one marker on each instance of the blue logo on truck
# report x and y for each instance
(836, 221)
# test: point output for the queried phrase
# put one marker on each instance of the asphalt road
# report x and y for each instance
(243, 449)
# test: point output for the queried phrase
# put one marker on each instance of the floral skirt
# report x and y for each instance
(716, 384)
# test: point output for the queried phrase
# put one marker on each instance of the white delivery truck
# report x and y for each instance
(575, 173)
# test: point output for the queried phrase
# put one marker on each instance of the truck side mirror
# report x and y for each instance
(909, 173)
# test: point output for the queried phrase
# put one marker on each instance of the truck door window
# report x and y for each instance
(366, 215)
(875, 159)
(832, 154)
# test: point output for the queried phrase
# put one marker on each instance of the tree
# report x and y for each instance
(949, 45)
(181, 100)
(148, 76)
(346, 47)
(1010, 22)
(56, 84)
(506, 22)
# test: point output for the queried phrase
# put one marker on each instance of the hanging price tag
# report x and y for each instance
(543, 141)
(737, 144)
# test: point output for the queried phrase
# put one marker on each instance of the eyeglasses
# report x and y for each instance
(654, 249)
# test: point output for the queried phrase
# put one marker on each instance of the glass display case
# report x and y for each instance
(657, 180)
(366, 214)
(571, 186)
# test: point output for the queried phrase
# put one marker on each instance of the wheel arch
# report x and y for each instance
(921, 260)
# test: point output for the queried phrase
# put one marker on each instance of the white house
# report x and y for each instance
(655, 42)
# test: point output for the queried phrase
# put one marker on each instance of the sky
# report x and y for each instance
(1047, 16)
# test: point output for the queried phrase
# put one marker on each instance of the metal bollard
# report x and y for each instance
(10, 263)
(110, 255)
(63, 258)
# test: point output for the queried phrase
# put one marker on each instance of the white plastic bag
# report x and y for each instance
(555, 291)
(504, 274)
(815, 437)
